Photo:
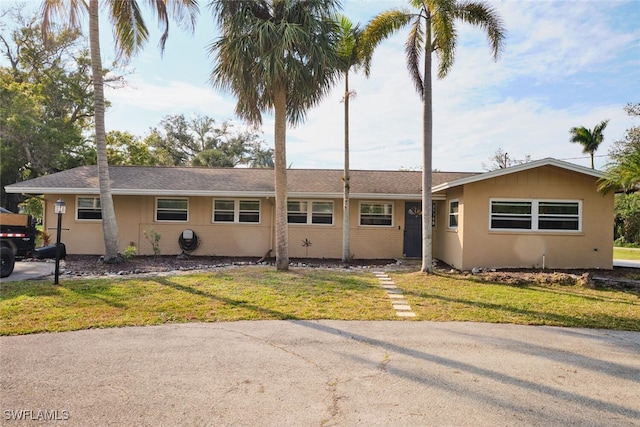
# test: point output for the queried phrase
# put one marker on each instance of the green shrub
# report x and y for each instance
(153, 237)
(130, 252)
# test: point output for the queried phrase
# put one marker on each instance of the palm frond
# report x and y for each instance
(130, 30)
(486, 17)
(413, 48)
(68, 12)
(380, 28)
(266, 46)
(624, 174)
(444, 35)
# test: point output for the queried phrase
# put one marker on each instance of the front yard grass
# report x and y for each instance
(263, 293)
(446, 298)
(626, 253)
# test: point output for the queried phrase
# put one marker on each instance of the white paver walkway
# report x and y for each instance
(400, 304)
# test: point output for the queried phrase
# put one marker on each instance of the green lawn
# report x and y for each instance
(626, 253)
(264, 293)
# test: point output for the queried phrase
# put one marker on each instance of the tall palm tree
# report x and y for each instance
(131, 34)
(590, 139)
(431, 30)
(280, 56)
(350, 56)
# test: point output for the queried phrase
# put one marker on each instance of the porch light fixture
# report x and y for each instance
(60, 207)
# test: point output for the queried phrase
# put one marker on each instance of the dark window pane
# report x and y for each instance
(171, 216)
(321, 218)
(522, 208)
(558, 223)
(249, 217)
(172, 204)
(506, 223)
(249, 205)
(89, 214)
(297, 218)
(553, 208)
(223, 217)
(224, 205)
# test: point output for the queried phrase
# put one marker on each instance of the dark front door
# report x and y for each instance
(413, 229)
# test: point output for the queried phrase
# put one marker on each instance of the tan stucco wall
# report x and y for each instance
(590, 248)
(447, 243)
(135, 214)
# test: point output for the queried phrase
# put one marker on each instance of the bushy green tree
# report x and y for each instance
(45, 101)
(199, 141)
(623, 174)
(124, 148)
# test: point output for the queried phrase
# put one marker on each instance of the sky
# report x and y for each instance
(564, 64)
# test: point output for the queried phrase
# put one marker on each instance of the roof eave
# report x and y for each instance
(209, 193)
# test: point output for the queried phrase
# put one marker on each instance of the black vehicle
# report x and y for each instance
(17, 239)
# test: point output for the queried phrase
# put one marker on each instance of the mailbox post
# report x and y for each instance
(60, 208)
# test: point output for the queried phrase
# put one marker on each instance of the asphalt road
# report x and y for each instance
(322, 373)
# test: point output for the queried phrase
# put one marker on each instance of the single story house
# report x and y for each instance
(542, 214)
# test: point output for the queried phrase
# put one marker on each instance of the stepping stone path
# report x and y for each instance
(400, 304)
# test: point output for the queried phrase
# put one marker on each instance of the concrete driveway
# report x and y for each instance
(31, 270)
(626, 263)
(322, 373)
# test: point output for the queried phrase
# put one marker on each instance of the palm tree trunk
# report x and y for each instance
(427, 148)
(109, 224)
(346, 243)
(282, 234)
(592, 165)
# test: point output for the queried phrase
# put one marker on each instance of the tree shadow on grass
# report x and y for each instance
(270, 313)
(605, 321)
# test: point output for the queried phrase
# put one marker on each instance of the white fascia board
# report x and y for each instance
(519, 168)
(384, 196)
(49, 190)
(205, 193)
(208, 193)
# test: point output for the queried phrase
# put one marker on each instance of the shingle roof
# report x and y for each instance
(139, 180)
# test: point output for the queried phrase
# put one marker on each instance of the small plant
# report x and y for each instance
(45, 237)
(306, 243)
(153, 237)
(130, 252)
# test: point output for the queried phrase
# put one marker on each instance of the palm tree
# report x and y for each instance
(275, 55)
(350, 57)
(131, 34)
(431, 29)
(624, 173)
(589, 139)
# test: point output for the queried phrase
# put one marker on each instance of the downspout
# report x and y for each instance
(271, 225)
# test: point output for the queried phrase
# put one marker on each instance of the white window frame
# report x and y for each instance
(376, 203)
(237, 212)
(536, 215)
(96, 206)
(155, 211)
(451, 214)
(309, 212)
